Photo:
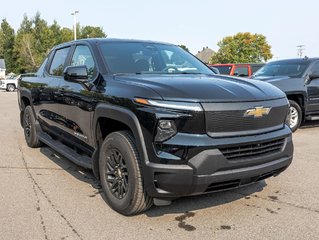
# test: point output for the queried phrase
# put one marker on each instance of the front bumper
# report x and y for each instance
(211, 171)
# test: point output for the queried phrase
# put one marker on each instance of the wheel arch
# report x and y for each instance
(299, 98)
(125, 120)
(24, 101)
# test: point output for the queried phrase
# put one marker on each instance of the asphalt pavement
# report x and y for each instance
(45, 196)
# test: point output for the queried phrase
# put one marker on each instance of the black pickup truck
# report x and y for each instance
(153, 122)
(299, 79)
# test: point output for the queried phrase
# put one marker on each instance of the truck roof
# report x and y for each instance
(102, 40)
(295, 60)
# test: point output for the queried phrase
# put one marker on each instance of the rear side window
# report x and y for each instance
(41, 68)
(241, 72)
(57, 65)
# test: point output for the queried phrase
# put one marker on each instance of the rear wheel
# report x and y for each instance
(120, 174)
(11, 88)
(29, 127)
(295, 116)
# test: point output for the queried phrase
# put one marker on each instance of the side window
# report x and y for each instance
(241, 72)
(41, 68)
(83, 56)
(57, 65)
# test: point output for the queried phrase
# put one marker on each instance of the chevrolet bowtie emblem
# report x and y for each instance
(257, 112)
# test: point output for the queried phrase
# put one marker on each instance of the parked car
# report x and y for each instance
(240, 70)
(215, 70)
(299, 79)
(151, 126)
(10, 84)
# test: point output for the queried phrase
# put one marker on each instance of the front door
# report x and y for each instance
(313, 92)
(77, 106)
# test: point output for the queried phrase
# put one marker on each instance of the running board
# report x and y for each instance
(66, 151)
(312, 118)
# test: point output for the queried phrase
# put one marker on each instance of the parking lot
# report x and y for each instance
(45, 196)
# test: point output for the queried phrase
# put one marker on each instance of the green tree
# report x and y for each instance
(243, 48)
(44, 39)
(1, 43)
(8, 38)
(22, 52)
(66, 35)
(184, 47)
(91, 32)
(35, 38)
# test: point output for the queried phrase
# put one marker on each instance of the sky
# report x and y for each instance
(196, 24)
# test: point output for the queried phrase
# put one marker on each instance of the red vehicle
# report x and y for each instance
(240, 70)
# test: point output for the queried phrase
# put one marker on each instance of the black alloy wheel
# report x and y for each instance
(29, 127)
(116, 173)
(120, 174)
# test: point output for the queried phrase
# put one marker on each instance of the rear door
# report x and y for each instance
(313, 91)
(46, 94)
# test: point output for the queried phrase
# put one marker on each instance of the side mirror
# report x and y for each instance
(76, 74)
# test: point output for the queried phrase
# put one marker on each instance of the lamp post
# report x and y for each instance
(300, 50)
(74, 23)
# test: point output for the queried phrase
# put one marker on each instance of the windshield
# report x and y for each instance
(150, 58)
(291, 69)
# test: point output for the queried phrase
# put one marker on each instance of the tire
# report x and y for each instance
(29, 127)
(11, 88)
(295, 116)
(120, 174)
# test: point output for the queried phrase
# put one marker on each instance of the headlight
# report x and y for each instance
(169, 104)
(165, 130)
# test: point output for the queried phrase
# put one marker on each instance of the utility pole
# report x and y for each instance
(300, 50)
(74, 22)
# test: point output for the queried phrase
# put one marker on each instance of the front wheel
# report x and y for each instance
(120, 174)
(295, 116)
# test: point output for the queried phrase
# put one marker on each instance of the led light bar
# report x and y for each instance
(169, 104)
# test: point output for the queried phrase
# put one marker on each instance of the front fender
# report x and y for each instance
(124, 116)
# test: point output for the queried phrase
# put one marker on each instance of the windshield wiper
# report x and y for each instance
(184, 73)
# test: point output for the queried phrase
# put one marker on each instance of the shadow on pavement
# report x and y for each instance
(76, 171)
(309, 124)
(181, 205)
(193, 203)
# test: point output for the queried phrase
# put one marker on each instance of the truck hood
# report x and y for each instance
(204, 88)
(285, 83)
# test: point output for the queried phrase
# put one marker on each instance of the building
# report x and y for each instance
(205, 55)
(2, 69)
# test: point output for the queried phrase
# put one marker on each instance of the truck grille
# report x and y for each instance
(253, 150)
(228, 119)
